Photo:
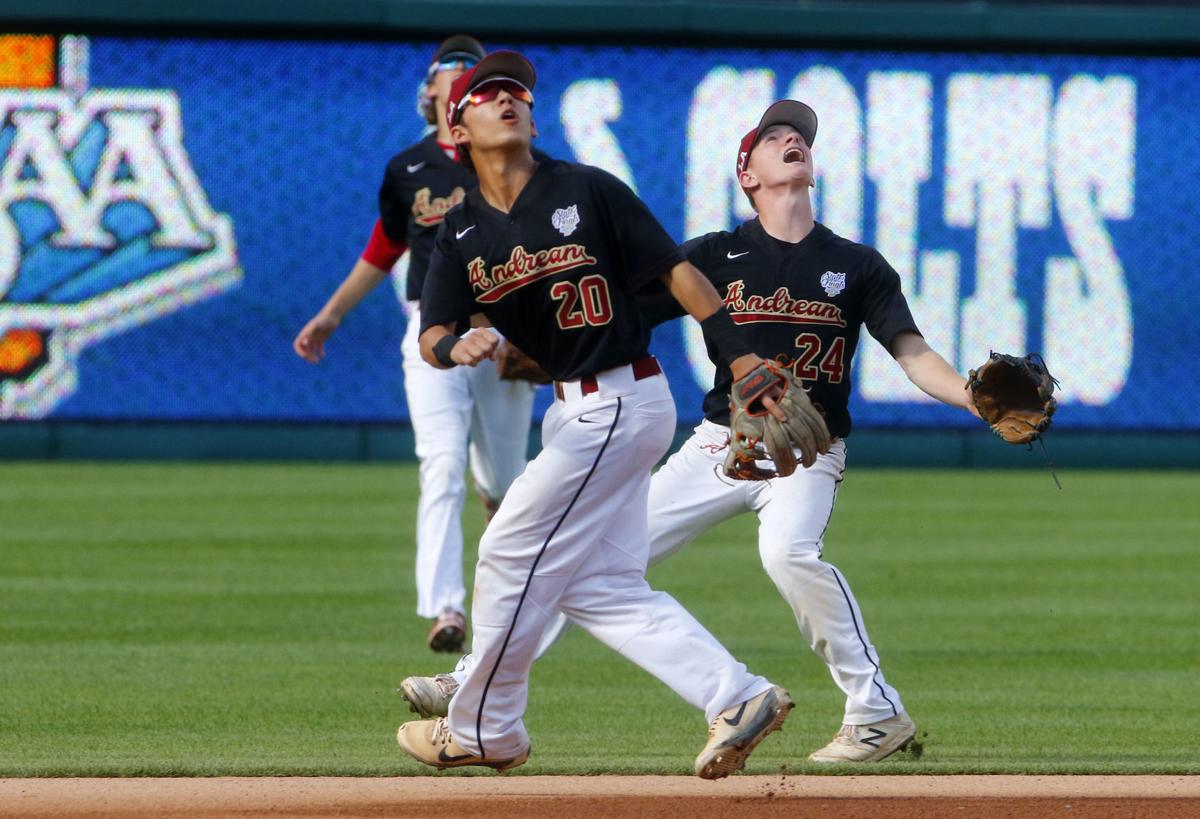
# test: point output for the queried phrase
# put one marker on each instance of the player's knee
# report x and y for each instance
(441, 472)
(793, 562)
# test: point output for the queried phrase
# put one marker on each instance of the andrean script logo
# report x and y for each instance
(103, 226)
(429, 210)
(523, 268)
(779, 306)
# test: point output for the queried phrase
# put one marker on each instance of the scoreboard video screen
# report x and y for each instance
(175, 208)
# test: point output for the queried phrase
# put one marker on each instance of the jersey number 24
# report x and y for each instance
(808, 346)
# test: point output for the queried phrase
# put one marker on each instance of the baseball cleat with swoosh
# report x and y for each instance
(737, 731)
(429, 741)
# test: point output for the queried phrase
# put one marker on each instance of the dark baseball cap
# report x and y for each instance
(785, 112)
(499, 65)
(459, 47)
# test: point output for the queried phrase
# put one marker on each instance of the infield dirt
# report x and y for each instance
(533, 797)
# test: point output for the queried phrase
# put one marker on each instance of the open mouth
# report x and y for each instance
(508, 115)
(793, 155)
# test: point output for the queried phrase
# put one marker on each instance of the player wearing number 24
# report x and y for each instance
(801, 295)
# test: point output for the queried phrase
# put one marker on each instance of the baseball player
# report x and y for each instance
(801, 294)
(551, 253)
(448, 409)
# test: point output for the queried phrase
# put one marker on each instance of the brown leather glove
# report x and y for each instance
(514, 365)
(755, 434)
(1014, 395)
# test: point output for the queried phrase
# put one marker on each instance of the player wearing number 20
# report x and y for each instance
(552, 254)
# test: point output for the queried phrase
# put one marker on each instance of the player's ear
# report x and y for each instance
(748, 180)
(459, 134)
(532, 127)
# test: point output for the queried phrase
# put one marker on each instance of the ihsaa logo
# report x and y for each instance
(103, 226)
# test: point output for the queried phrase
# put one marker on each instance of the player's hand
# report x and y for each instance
(967, 403)
(310, 343)
(773, 407)
(474, 347)
(743, 366)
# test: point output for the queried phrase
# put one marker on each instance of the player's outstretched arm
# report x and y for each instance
(442, 349)
(696, 294)
(362, 279)
(931, 373)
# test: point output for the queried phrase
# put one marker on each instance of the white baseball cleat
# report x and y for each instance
(868, 743)
(737, 730)
(429, 696)
(429, 741)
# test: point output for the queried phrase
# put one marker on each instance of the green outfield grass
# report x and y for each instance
(250, 619)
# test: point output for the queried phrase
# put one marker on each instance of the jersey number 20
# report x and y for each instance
(582, 304)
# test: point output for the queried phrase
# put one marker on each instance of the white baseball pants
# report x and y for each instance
(466, 413)
(691, 495)
(571, 537)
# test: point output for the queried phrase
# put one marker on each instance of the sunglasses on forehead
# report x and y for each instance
(463, 62)
(491, 89)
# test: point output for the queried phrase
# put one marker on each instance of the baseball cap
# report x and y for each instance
(508, 65)
(785, 112)
(459, 47)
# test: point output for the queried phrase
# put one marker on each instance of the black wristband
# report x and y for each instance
(441, 350)
(725, 336)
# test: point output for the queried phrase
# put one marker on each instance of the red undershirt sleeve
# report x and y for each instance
(382, 251)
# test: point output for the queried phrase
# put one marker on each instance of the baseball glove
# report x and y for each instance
(755, 434)
(1014, 395)
(514, 365)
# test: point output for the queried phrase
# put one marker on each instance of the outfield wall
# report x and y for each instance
(1066, 450)
(177, 206)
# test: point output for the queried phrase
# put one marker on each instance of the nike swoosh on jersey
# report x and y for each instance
(732, 255)
(415, 168)
(458, 234)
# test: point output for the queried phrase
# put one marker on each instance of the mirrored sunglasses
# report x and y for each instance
(490, 90)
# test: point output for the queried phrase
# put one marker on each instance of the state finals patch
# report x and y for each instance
(565, 220)
(103, 223)
(833, 283)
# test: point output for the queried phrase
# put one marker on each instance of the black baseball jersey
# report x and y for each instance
(420, 184)
(802, 303)
(557, 274)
